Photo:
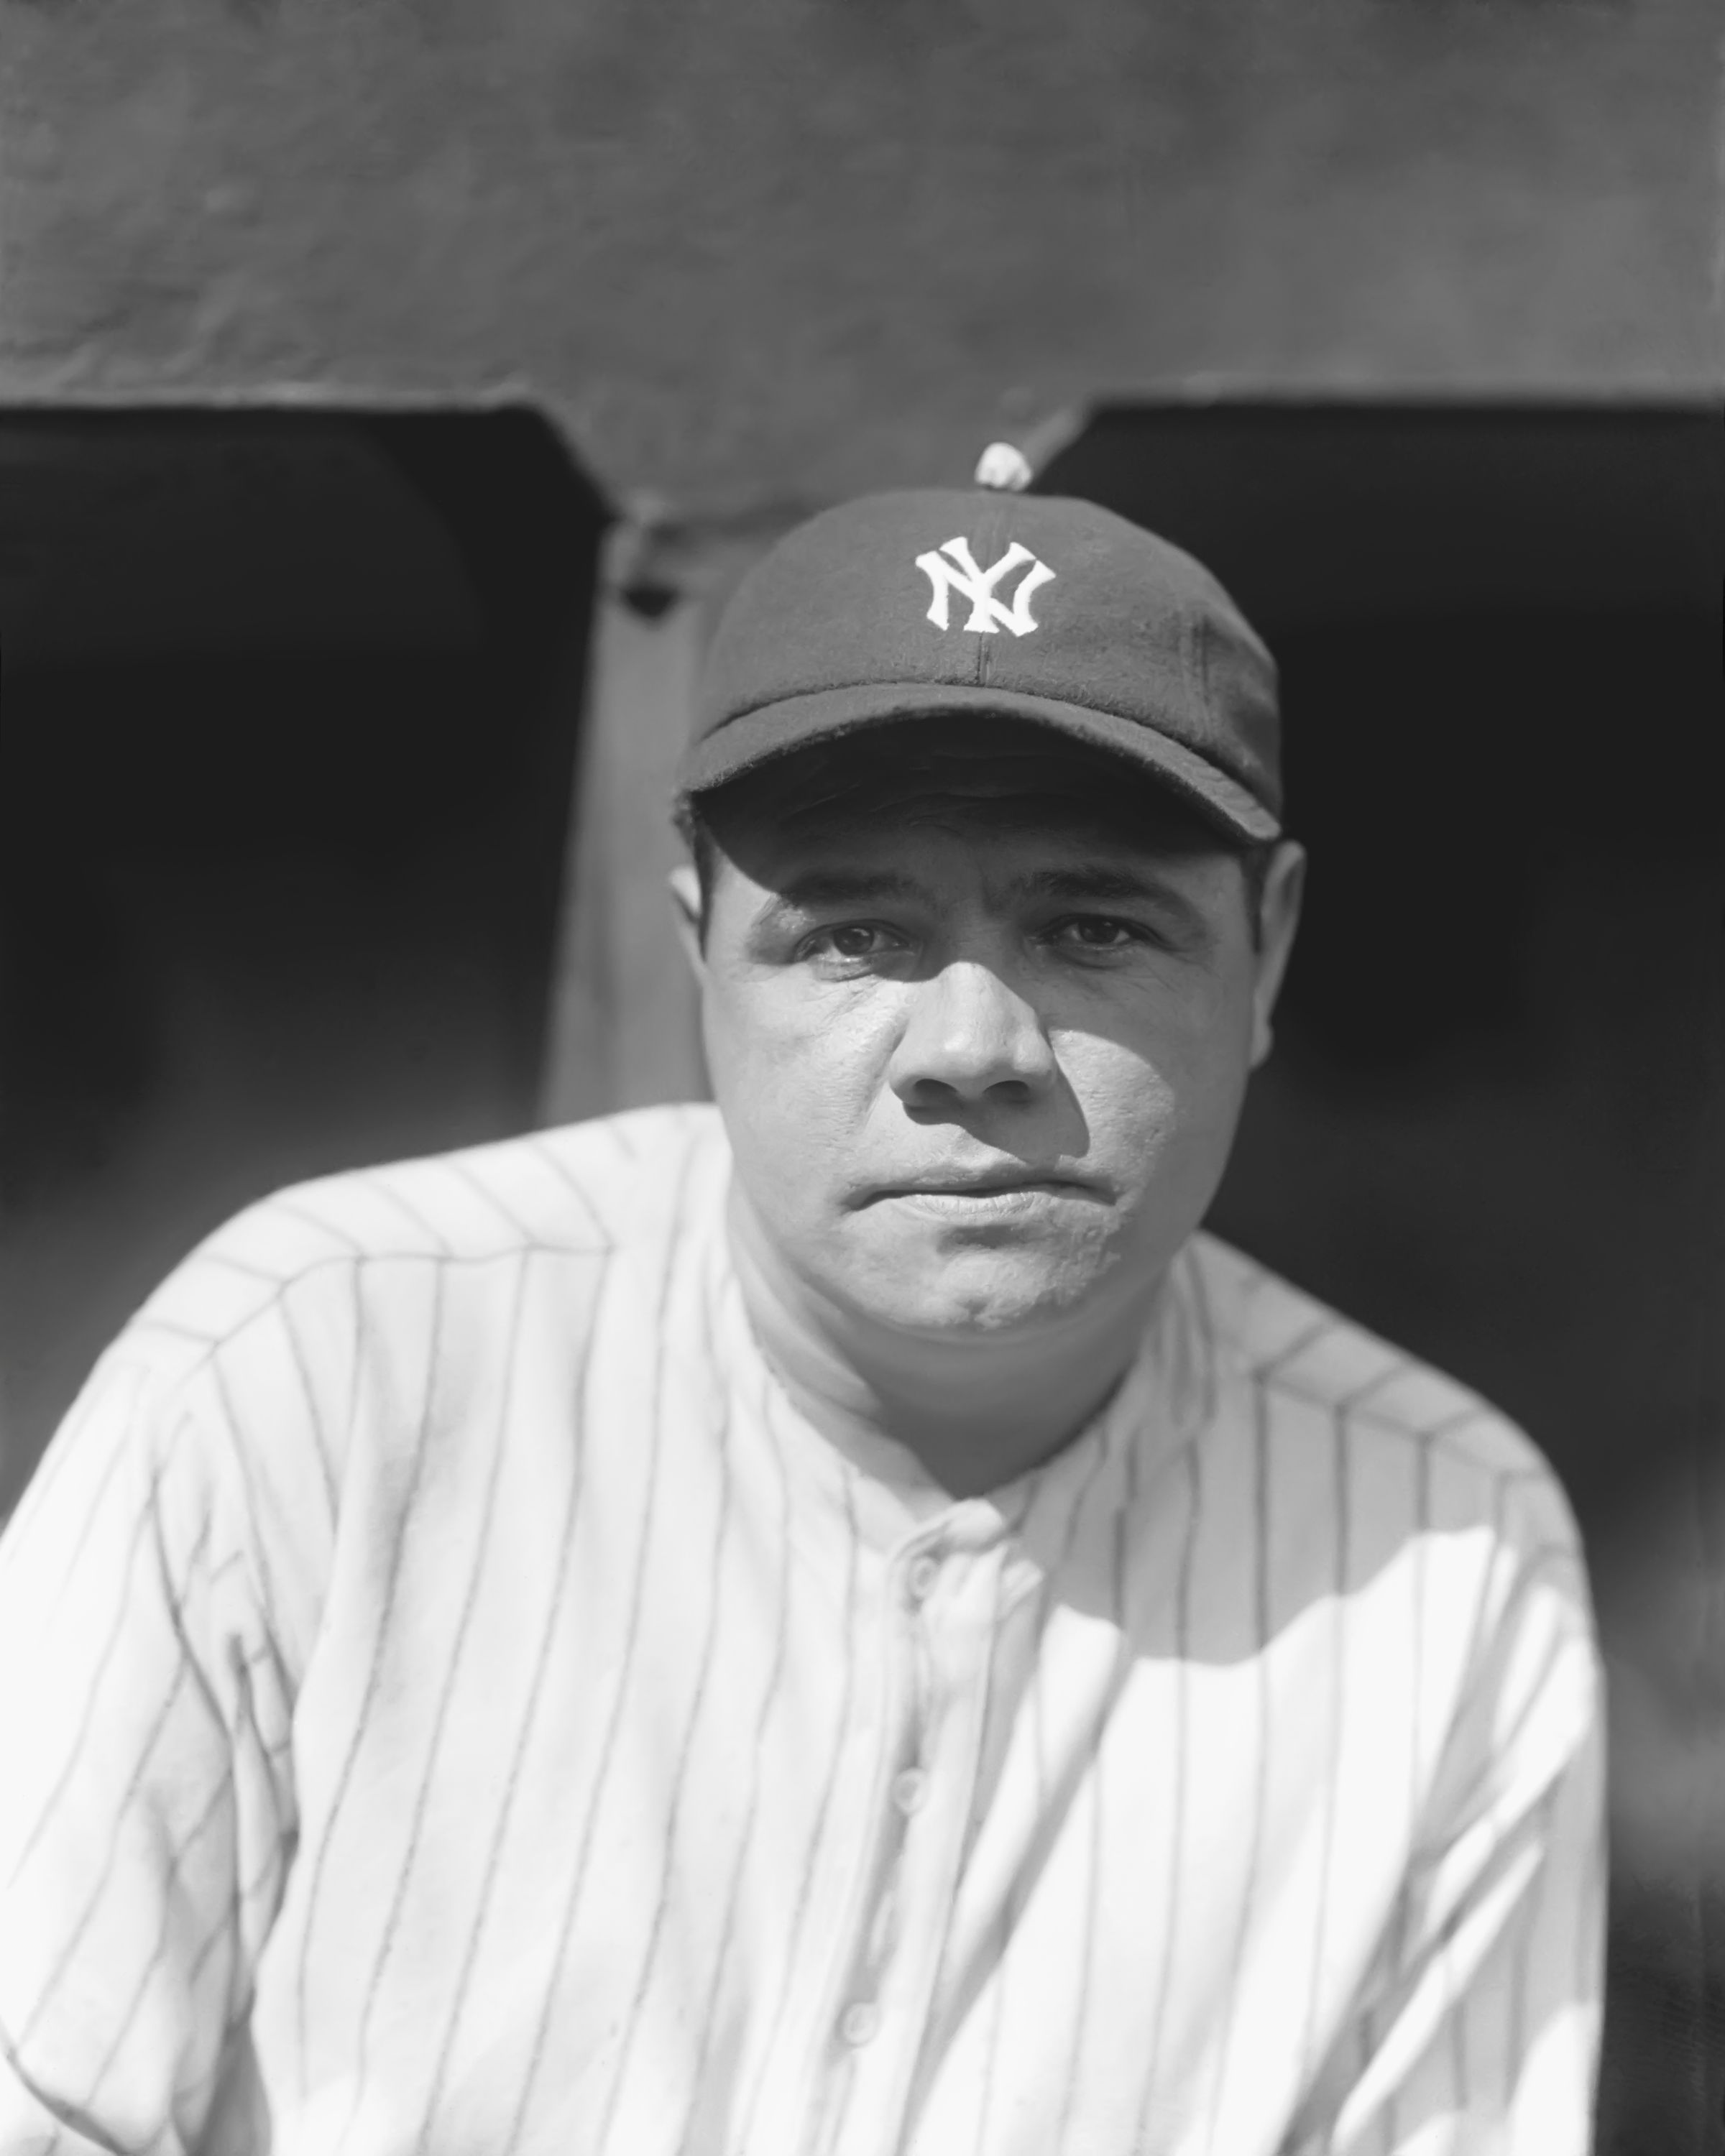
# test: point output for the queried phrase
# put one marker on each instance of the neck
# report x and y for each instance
(976, 1413)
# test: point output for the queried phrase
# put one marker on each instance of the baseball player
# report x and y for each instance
(837, 1622)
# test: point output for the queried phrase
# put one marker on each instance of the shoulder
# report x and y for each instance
(578, 1192)
(1311, 1366)
(307, 1333)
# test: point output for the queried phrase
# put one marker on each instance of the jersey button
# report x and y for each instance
(923, 1576)
(859, 2022)
(909, 1788)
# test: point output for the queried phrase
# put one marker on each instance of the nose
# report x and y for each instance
(970, 1037)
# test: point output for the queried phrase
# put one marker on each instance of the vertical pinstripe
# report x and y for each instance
(1337, 1706)
(668, 1869)
(39, 1490)
(1019, 1888)
(1014, 1896)
(1095, 1786)
(1416, 1631)
(128, 1798)
(829, 1785)
(769, 1700)
(206, 1819)
(374, 1673)
(75, 1754)
(1176, 1842)
(435, 1585)
(319, 1439)
(249, 1472)
(498, 1438)
(1456, 2007)
(1260, 1590)
(554, 1609)
(608, 1743)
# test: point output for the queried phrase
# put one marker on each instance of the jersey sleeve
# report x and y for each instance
(146, 1813)
(1480, 2036)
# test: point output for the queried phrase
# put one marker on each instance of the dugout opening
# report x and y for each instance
(291, 703)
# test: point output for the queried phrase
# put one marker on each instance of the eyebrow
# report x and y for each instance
(821, 888)
(1101, 884)
(1106, 886)
(844, 887)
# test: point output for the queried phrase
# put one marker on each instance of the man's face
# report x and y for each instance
(979, 1023)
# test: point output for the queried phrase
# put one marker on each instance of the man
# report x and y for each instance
(839, 1622)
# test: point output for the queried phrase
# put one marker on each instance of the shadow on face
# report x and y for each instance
(951, 947)
(1004, 774)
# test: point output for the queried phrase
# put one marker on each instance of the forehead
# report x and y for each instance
(1006, 781)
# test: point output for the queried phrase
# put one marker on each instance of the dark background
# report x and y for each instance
(291, 710)
(291, 714)
(1494, 1126)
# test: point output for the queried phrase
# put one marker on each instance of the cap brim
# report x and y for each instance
(777, 730)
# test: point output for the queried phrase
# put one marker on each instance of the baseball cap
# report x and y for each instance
(935, 601)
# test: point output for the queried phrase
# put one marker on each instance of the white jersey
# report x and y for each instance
(452, 1702)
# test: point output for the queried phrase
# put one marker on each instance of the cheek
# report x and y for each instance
(794, 1074)
(1125, 1093)
(1175, 1083)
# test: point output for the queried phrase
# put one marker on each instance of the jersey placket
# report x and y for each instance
(940, 1593)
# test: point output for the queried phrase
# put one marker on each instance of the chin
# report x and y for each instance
(978, 1294)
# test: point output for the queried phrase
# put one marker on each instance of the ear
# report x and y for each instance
(1284, 890)
(685, 904)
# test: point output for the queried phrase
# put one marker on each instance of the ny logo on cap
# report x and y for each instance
(960, 574)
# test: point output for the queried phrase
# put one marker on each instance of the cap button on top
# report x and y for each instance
(1003, 468)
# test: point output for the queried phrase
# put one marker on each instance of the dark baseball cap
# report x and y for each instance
(938, 601)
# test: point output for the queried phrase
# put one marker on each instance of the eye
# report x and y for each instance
(1098, 931)
(851, 939)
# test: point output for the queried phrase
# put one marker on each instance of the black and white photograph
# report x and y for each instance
(862, 1078)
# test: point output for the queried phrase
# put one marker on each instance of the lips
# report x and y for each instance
(994, 1186)
(989, 1184)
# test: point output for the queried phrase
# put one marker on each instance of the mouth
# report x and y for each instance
(993, 1191)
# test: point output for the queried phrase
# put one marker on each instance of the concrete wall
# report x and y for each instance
(778, 249)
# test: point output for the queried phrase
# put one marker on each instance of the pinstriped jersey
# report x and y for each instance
(452, 1702)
